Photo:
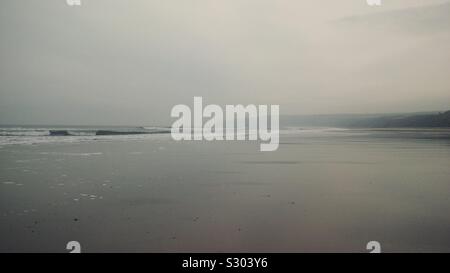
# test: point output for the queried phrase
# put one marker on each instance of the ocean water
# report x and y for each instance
(323, 190)
(26, 135)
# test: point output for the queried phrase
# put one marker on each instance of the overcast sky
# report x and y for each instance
(128, 62)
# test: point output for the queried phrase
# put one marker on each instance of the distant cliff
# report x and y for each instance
(405, 121)
(402, 120)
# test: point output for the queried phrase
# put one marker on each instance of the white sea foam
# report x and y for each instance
(40, 135)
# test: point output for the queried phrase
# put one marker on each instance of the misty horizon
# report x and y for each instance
(282, 117)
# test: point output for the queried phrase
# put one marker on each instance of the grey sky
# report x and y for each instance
(129, 62)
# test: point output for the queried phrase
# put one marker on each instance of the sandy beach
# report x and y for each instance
(322, 191)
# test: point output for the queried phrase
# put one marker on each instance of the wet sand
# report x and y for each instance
(321, 192)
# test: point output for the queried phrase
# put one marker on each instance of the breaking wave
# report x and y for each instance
(34, 135)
